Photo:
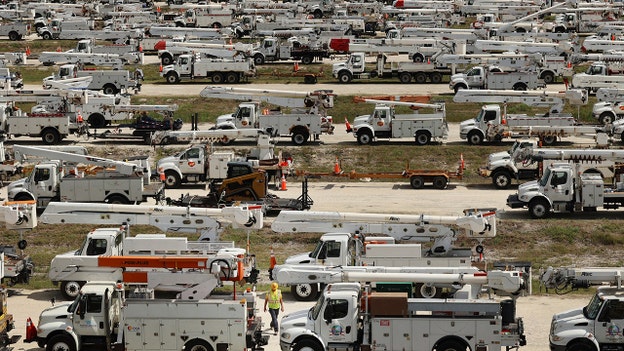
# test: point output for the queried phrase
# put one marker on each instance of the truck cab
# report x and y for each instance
(189, 165)
(245, 116)
(478, 129)
(379, 122)
(354, 66)
(333, 249)
(598, 324)
(41, 185)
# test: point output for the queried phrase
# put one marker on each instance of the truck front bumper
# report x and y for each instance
(554, 347)
(285, 346)
(484, 172)
(514, 202)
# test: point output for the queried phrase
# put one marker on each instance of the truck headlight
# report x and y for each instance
(285, 335)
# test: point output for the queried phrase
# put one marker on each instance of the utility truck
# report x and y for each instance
(349, 248)
(87, 52)
(205, 16)
(597, 76)
(74, 268)
(273, 49)
(50, 181)
(383, 122)
(493, 78)
(14, 30)
(563, 188)
(210, 324)
(490, 125)
(219, 70)
(306, 121)
(109, 82)
(505, 166)
(406, 72)
(345, 317)
(592, 327)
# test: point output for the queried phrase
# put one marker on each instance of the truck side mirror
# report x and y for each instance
(82, 307)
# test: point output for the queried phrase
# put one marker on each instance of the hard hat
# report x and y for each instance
(274, 286)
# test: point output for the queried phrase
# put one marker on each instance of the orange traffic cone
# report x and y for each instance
(31, 331)
(283, 183)
(296, 67)
(337, 169)
(161, 175)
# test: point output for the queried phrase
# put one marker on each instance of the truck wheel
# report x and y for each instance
(70, 290)
(420, 78)
(548, 77)
(117, 200)
(436, 78)
(197, 345)
(520, 87)
(459, 87)
(364, 138)
(23, 197)
(46, 36)
(172, 180)
(427, 291)
(451, 345)
(258, 59)
(418, 58)
(232, 78)
(172, 78)
(423, 138)
(318, 13)
(304, 292)
(405, 77)
(306, 59)
(307, 345)
(300, 137)
(217, 78)
(580, 346)
(501, 180)
(417, 182)
(539, 208)
(110, 89)
(549, 139)
(166, 60)
(60, 342)
(50, 136)
(606, 118)
(13, 36)
(96, 120)
(439, 182)
(475, 138)
(345, 77)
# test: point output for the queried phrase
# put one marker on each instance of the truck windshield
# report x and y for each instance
(71, 308)
(544, 180)
(317, 249)
(316, 309)
(79, 251)
(591, 310)
(480, 115)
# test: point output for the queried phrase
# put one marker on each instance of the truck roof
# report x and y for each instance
(96, 287)
(610, 292)
(106, 231)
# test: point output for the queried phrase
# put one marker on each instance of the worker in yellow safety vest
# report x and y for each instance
(273, 299)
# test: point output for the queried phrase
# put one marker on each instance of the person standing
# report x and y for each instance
(273, 299)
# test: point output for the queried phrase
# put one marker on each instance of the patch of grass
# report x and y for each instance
(562, 234)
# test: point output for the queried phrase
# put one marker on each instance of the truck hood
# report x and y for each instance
(303, 258)
(568, 321)
(52, 315)
(165, 160)
(527, 190)
(337, 66)
(498, 156)
(227, 118)
(467, 124)
(15, 187)
(294, 324)
(457, 76)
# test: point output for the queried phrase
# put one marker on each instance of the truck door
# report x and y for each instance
(559, 187)
(191, 161)
(330, 253)
(357, 63)
(184, 65)
(610, 321)
(244, 117)
(44, 185)
(269, 48)
(88, 316)
(475, 77)
(338, 323)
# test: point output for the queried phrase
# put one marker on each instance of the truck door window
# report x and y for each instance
(42, 174)
(94, 304)
(613, 310)
(96, 247)
(333, 249)
(559, 178)
(245, 112)
(489, 116)
(192, 153)
(268, 44)
(336, 309)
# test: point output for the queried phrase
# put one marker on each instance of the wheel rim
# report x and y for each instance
(49, 138)
(421, 78)
(501, 181)
(364, 138)
(475, 139)
(299, 139)
(417, 182)
(71, 289)
(61, 346)
(304, 291)
(539, 210)
(422, 139)
(549, 140)
(606, 119)
(171, 181)
(428, 291)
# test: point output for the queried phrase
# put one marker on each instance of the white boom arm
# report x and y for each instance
(167, 218)
(277, 97)
(139, 108)
(480, 225)
(505, 281)
(404, 103)
(576, 155)
(565, 278)
(553, 99)
(120, 166)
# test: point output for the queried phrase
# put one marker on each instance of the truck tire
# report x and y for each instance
(300, 136)
(475, 138)
(539, 208)
(172, 180)
(606, 118)
(459, 87)
(451, 345)
(420, 78)
(318, 13)
(258, 59)
(418, 58)
(232, 78)
(46, 36)
(501, 179)
(50, 136)
(307, 59)
(110, 89)
(423, 137)
(520, 87)
(117, 200)
(217, 78)
(364, 138)
(580, 346)
(304, 292)
(307, 345)
(417, 182)
(436, 77)
(172, 78)
(439, 182)
(405, 77)
(549, 140)
(197, 345)
(14, 36)
(166, 59)
(345, 77)
(23, 197)
(548, 77)
(60, 342)
(70, 289)
(96, 120)
(427, 291)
